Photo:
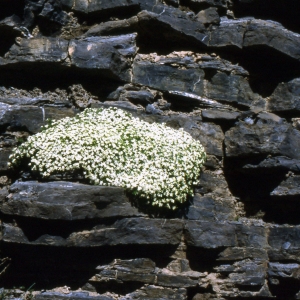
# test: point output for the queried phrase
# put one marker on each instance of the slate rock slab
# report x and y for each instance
(246, 272)
(284, 270)
(128, 231)
(285, 243)
(45, 49)
(67, 201)
(288, 187)
(156, 292)
(273, 35)
(271, 164)
(85, 6)
(208, 208)
(163, 76)
(241, 253)
(31, 117)
(70, 296)
(286, 97)
(174, 24)
(108, 55)
(145, 271)
(211, 235)
(248, 139)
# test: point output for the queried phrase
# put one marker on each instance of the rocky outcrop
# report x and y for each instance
(225, 71)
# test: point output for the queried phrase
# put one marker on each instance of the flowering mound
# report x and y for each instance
(111, 147)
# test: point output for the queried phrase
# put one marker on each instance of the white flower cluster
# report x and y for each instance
(153, 161)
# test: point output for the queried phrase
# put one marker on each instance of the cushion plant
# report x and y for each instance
(111, 147)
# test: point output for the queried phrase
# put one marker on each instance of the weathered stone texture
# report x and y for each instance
(52, 201)
(228, 78)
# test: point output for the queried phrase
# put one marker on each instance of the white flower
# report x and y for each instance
(113, 148)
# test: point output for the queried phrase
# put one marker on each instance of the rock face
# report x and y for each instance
(225, 71)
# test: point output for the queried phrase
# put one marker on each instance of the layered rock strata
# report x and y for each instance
(227, 72)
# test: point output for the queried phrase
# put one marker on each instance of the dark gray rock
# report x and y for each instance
(174, 25)
(52, 12)
(285, 243)
(212, 162)
(245, 272)
(254, 234)
(284, 270)
(32, 101)
(67, 201)
(108, 55)
(213, 183)
(209, 235)
(4, 158)
(286, 97)
(138, 97)
(173, 2)
(70, 296)
(132, 231)
(228, 33)
(220, 115)
(182, 74)
(14, 96)
(208, 16)
(252, 139)
(249, 32)
(166, 77)
(37, 50)
(208, 208)
(246, 278)
(241, 253)
(85, 6)
(206, 296)
(269, 118)
(272, 35)
(232, 89)
(288, 187)
(10, 26)
(229, 234)
(139, 231)
(31, 117)
(274, 163)
(144, 270)
(137, 266)
(217, 3)
(176, 280)
(153, 292)
(114, 27)
(209, 134)
(210, 62)
(126, 105)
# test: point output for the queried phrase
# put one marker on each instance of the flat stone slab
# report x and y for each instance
(31, 117)
(289, 187)
(212, 235)
(249, 139)
(67, 201)
(285, 243)
(286, 97)
(128, 231)
(109, 56)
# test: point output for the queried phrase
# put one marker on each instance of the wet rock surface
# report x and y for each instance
(225, 71)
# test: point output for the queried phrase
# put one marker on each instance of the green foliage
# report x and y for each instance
(153, 161)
